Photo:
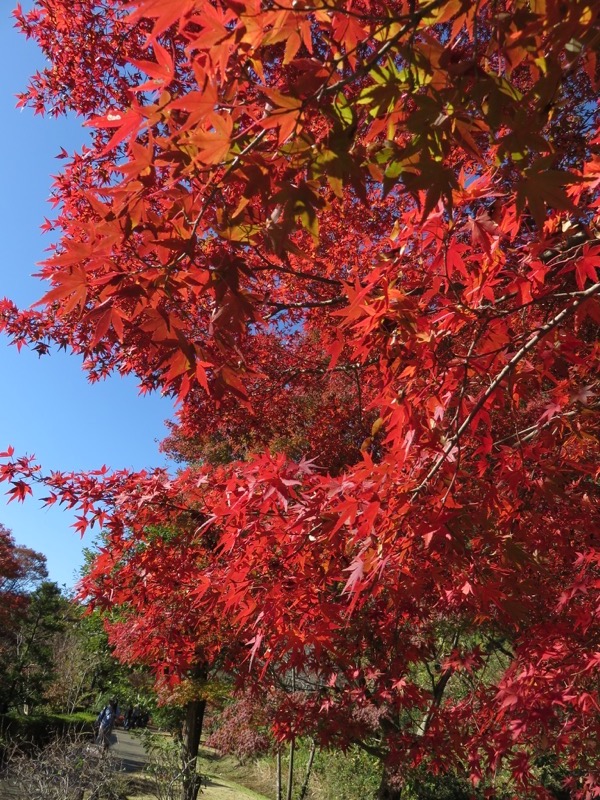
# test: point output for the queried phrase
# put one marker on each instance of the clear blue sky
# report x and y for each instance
(47, 407)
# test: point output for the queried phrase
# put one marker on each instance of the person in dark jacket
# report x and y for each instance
(106, 722)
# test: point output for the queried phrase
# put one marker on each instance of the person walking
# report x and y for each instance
(127, 718)
(106, 721)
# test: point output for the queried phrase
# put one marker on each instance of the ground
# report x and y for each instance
(128, 749)
(220, 775)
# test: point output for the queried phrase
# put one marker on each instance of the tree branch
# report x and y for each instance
(507, 369)
(334, 301)
(296, 273)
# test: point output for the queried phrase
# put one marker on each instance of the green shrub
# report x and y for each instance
(39, 729)
(344, 776)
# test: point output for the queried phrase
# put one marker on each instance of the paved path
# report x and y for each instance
(128, 750)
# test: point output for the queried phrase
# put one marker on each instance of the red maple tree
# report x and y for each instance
(20, 568)
(358, 241)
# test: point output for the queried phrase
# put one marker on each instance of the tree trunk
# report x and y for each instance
(192, 729)
(307, 774)
(386, 790)
(278, 794)
(290, 784)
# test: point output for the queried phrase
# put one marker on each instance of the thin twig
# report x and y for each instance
(279, 307)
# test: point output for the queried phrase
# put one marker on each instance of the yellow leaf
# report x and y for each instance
(377, 425)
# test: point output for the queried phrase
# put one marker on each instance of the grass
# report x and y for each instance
(253, 777)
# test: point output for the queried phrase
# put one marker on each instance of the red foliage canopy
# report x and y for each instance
(20, 569)
(358, 241)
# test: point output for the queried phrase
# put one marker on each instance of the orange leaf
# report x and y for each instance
(214, 146)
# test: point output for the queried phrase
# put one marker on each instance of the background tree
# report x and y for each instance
(31, 666)
(85, 674)
(163, 629)
(24, 617)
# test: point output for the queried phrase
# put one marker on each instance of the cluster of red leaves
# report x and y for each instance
(9, 573)
(242, 729)
(359, 242)
(20, 569)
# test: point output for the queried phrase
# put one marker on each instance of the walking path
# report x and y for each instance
(128, 750)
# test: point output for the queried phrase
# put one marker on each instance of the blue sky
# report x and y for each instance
(47, 406)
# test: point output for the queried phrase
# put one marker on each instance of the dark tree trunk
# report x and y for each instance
(386, 790)
(290, 783)
(192, 730)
